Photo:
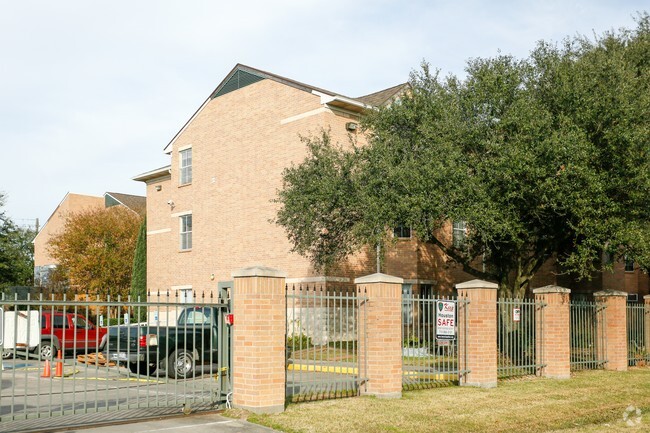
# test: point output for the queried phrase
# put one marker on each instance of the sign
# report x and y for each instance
(445, 320)
(101, 320)
(2, 331)
(126, 318)
(516, 314)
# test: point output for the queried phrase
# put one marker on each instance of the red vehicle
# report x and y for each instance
(68, 331)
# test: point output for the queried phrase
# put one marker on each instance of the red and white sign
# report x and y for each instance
(445, 320)
(516, 314)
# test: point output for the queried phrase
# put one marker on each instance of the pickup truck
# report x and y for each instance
(67, 332)
(175, 349)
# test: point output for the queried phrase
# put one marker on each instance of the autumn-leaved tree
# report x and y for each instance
(95, 250)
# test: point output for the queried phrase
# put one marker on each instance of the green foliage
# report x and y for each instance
(139, 275)
(299, 342)
(542, 157)
(16, 252)
(95, 250)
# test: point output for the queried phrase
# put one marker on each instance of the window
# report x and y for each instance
(629, 265)
(186, 296)
(186, 232)
(459, 234)
(59, 322)
(633, 297)
(401, 231)
(407, 304)
(185, 165)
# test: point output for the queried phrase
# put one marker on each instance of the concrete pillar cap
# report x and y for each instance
(477, 284)
(259, 271)
(610, 293)
(647, 297)
(550, 289)
(378, 278)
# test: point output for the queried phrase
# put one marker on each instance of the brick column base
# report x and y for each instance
(380, 335)
(477, 333)
(614, 319)
(552, 322)
(259, 340)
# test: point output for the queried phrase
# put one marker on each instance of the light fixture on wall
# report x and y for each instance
(158, 187)
(351, 126)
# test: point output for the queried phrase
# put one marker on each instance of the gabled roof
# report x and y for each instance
(56, 209)
(136, 203)
(242, 75)
(382, 97)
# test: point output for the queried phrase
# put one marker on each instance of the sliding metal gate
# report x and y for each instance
(66, 360)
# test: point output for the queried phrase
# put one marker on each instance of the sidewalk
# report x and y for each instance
(208, 423)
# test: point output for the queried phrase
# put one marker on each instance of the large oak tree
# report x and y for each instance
(547, 156)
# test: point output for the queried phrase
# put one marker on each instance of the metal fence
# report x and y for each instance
(76, 358)
(516, 332)
(427, 361)
(638, 326)
(323, 342)
(587, 335)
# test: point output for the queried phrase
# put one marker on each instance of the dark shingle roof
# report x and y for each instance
(136, 203)
(380, 98)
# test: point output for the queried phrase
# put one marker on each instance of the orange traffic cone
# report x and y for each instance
(47, 369)
(58, 371)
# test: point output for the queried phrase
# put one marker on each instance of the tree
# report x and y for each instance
(139, 276)
(16, 252)
(541, 157)
(95, 250)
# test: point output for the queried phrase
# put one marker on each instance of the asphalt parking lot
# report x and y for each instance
(101, 393)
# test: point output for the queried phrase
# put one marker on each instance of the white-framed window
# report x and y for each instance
(402, 231)
(185, 165)
(459, 234)
(186, 232)
(185, 296)
(632, 297)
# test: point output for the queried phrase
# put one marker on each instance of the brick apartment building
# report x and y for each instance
(209, 211)
(71, 203)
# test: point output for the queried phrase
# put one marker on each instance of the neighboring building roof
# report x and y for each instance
(382, 97)
(56, 209)
(242, 75)
(136, 203)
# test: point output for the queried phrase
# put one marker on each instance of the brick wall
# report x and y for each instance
(241, 142)
(71, 203)
(477, 333)
(552, 326)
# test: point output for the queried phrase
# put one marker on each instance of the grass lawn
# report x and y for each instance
(592, 401)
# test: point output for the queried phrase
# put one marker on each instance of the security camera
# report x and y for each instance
(170, 202)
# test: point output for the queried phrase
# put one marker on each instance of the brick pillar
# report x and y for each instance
(477, 333)
(552, 324)
(380, 335)
(612, 329)
(259, 339)
(646, 322)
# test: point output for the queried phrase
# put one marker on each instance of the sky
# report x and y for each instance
(92, 91)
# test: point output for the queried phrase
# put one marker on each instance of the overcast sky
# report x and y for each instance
(92, 91)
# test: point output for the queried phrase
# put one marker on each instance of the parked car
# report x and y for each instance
(176, 349)
(68, 332)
